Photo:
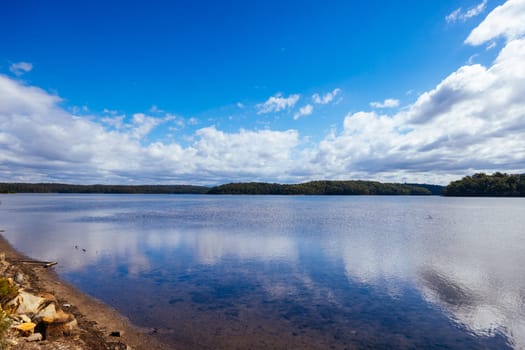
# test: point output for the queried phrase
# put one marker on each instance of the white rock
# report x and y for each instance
(25, 303)
(34, 337)
(19, 278)
(25, 318)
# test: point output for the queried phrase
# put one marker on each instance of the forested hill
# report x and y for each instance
(322, 188)
(309, 188)
(495, 185)
(66, 188)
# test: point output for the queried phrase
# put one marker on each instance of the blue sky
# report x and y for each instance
(210, 92)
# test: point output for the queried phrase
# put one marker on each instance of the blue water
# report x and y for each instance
(223, 272)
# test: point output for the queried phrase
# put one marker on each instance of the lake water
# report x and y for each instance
(285, 272)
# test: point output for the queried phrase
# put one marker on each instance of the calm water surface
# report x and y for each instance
(227, 272)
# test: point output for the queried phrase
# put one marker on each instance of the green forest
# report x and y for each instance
(495, 185)
(322, 188)
(67, 188)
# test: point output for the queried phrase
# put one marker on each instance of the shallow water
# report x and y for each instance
(292, 271)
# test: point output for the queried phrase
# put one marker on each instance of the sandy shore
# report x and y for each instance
(96, 320)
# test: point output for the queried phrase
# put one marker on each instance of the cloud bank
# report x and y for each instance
(473, 120)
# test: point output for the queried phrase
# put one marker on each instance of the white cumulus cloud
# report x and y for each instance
(40, 141)
(277, 103)
(459, 14)
(507, 20)
(143, 125)
(471, 121)
(20, 68)
(304, 111)
(388, 103)
(326, 98)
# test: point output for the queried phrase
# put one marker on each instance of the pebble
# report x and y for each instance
(34, 337)
(19, 278)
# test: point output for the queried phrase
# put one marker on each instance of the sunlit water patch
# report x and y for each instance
(290, 272)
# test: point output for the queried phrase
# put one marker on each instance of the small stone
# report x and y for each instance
(26, 328)
(19, 278)
(34, 337)
(25, 318)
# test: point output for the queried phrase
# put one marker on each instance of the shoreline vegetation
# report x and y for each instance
(477, 185)
(483, 185)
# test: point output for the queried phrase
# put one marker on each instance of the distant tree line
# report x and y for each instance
(480, 184)
(495, 185)
(322, 188)
(309, 188)
(67, 188)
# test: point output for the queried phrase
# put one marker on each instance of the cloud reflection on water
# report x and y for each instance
(473, 271)
(465, 261)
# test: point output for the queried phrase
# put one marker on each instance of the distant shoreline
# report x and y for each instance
(11, 187)
(351, 187)
(477, 185)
